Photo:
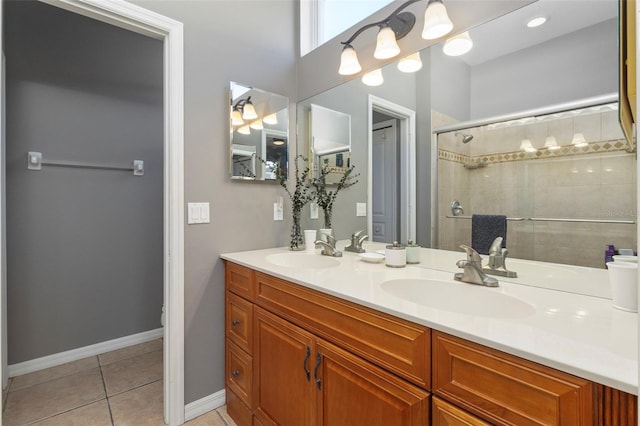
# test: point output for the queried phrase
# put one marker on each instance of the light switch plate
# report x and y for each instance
(313, 210)
(197, 213)
(277, 212)
(361, 209)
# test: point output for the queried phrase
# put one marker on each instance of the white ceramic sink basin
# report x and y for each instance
(302, 260)
(459, 297)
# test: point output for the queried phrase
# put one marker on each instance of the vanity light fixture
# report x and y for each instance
(244, 130)
(248, 111)
(551, 144)
(373, 78)
(458, 45)
(392, 29)
(578, 140)
(256, 125)
(527, 146)
(411, 63)
(270, 119)
(236, 117)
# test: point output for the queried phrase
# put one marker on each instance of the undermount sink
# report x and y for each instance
(302, 260)
(458, 297)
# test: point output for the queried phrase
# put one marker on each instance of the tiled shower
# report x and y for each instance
(566, 181)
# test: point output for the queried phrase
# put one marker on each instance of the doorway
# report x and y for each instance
(169, 32)
(391, 176)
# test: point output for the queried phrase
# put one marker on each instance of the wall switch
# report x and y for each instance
(361, 209)
(313, 210)
(197, 213)
(278, 210)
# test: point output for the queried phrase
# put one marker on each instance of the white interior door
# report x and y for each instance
(384, 150)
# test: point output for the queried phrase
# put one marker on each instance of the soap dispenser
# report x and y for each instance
(413, 253)
(395, 255)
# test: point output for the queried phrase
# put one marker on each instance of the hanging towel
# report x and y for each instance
(485, 228)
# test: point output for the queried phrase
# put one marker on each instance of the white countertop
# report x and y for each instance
(557, 326)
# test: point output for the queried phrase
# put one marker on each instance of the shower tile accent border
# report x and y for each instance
(600, 147)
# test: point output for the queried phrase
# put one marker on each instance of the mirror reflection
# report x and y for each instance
(330, 141)
(565, 182)
(259, 133)
(510, 68)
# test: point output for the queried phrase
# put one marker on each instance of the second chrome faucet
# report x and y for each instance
(472, 268)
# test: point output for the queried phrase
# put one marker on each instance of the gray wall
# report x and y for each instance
(84, 246)
(578, 65)
(225, 40)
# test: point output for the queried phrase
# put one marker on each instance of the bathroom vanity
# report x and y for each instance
(345, 342)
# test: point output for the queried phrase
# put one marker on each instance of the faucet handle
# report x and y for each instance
(472, 255)
(496, 246)
(331, 240)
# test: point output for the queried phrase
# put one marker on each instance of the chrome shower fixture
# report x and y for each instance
(466, 138)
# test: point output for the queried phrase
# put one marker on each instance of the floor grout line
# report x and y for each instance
(106, 396)
(135, 387)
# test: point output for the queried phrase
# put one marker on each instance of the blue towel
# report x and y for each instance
(485, 228)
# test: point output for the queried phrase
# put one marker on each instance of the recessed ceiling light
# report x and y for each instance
(536, 22)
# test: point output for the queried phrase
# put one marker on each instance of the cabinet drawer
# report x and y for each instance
(399, 346)
(239, 320)
(507, 390)
(240, 413)
(445, 414)
(239, 373)
(240, 280)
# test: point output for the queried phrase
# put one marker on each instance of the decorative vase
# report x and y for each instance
(297, 237)
(327, 218)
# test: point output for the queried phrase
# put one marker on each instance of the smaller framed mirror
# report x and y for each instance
(330, 141)
(259, 142)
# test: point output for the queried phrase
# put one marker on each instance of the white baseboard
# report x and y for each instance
(204, 405)
(84, 352)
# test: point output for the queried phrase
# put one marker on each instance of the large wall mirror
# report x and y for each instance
(512, 68)
(259, 133)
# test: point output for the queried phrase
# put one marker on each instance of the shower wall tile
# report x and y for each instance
(611, 126)
(589, 126)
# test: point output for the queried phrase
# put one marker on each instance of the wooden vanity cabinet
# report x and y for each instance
(298, 357)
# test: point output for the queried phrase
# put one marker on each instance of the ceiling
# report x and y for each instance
(509, 33)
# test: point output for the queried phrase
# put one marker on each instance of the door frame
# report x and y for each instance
(407, 126)
(142, 21)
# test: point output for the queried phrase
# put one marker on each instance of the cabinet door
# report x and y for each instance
(445, 414)
(283, 389)
(354, 392)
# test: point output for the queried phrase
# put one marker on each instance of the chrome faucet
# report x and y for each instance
(497, 259)
(472, 267)
(329, 246)
(357, 239)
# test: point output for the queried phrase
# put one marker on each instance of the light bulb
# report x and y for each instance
(271, 119)
(373, 78)
(386, 45)
(349, 64)
(248, 111)
(458, 45)
(436, 21)
(411, 63)
(236, 118)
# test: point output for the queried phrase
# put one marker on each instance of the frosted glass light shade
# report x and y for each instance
(249, 112)
(551, 143)
(245, 130)
(236, 118)
(386, 45)
(526, 146)
(458, 45)
(349, 64)
(436, 21)
(257, 125)
(271, 119)
(578, 140)
(411, 63)
(373, 78)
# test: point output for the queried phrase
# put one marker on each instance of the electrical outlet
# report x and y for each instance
(313, 210)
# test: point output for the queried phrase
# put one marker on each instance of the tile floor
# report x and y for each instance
(118, 388)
